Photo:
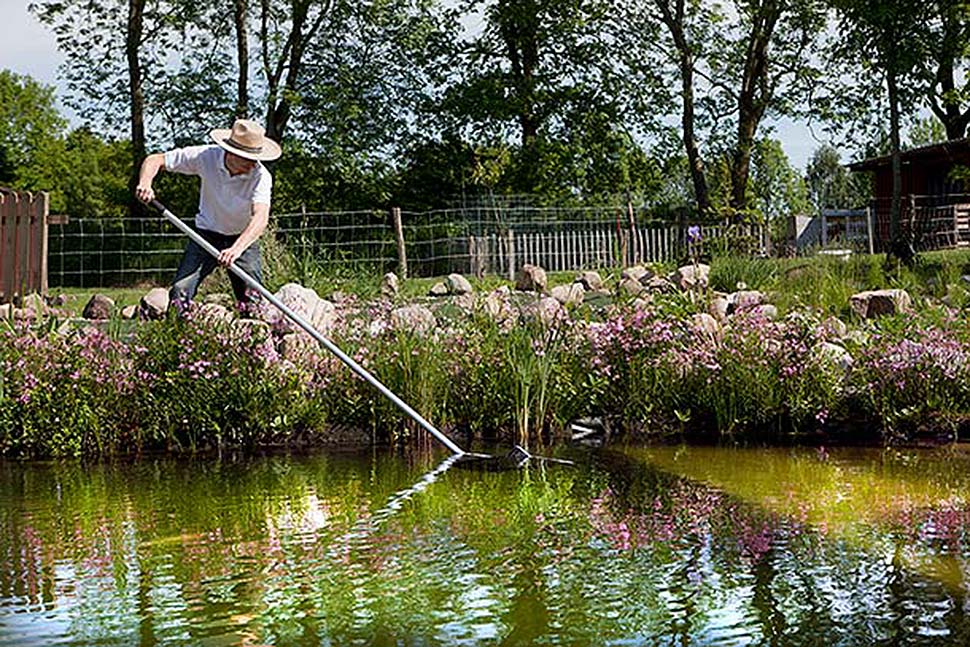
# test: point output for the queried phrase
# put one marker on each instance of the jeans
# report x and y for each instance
(197, 264)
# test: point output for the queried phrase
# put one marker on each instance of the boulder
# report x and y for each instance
(298, 346)
(224, 299)
(719, 307)
(745, 300)
(99, 307)
(706, 325)
(766, 310)
(637, 273)
(129, 312)
(415, 318)
(876, 303)
(835, 354)
(497, 304)
(6, 311)
(439, 289)
(571, 294)
(629, 286)
(659, 285)
(545, 310)
(590, 280)
(458, 284)
(305, 302)
(835, 328)
(691, 277)
(214, 312)
(390, 286)
(531, 278)
(154, 305)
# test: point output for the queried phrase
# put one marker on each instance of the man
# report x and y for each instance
(234, 202)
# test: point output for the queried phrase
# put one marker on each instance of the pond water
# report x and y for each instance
(633, 546)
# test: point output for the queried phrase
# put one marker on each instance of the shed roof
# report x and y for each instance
(955, 150)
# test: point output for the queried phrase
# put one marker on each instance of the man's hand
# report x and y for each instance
(145, 193)
(228, 256)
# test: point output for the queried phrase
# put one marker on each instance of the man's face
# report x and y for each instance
(237, 165)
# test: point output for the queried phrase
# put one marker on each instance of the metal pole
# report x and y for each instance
(305, 325)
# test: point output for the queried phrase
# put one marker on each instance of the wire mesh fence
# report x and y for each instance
(477, 240)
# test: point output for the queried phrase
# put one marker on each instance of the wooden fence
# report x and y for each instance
(593, 247)
(23, 244)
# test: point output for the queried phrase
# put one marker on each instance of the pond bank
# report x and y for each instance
(505, 365)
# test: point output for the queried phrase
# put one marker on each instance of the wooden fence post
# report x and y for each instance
(402, 257)
(510, 238)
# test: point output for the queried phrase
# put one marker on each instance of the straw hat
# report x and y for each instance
(247, 139)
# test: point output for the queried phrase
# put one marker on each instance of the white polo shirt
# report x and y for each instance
(225, 201)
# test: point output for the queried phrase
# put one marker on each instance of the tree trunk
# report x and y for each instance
(136, 94)
(949, 113)
(675, 24)
(239, 11)
(899, 240)
(752, 100)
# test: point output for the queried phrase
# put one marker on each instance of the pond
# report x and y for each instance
(632, 546)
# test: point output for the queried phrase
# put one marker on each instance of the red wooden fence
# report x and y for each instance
(23, 244)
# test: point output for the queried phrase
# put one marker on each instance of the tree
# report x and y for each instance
(117, 64)
(769, 64)
(948, 87)
(888, 37)
(675, 18)
(30, 127)
(830, 185)
(532, 72)
(778, 188)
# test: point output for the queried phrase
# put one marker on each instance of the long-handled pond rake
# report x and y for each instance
(518, 457)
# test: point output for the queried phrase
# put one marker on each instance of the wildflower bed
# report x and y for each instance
(652, 370)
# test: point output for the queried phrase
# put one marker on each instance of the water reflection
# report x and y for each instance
(659, 546)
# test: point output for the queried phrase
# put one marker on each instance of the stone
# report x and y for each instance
(531, 278)
(590, 280)
(766, 310)
(834, 353)
(629, 286)
(154, 305)
(6, 311)
(214, 312)
(571, 294)
(637, 273)
(659, 285)
(298, 346)
(414, 317)
(876, 303)
(98, 307)
(320, 313)
(707, 325)
(835, 328)
(691, 277)
(745, 300)
(129, 312)
(545, 310)
(390, 286)
(497, 304)
(224, 299)
(458, 284)
(439, 289)
(718, 308)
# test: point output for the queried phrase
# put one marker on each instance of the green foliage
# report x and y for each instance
(831, 186)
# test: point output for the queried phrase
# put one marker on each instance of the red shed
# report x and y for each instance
(935, 205)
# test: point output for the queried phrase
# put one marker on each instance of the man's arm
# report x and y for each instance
(255, 228)
(149, 169)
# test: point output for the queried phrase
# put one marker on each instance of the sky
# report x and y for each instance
(27, 47)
